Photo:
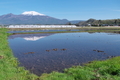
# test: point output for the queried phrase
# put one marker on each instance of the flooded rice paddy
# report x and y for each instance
(44, 53)
(44, 30)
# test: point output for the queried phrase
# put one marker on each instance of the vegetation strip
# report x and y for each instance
(82, 29)
(9, 69)
(96, 70)
(90, 31)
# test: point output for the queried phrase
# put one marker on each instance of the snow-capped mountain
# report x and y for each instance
(33, 13)
(30, 17)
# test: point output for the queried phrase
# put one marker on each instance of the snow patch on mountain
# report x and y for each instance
(33, 13)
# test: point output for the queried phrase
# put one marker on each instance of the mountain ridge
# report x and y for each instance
(32, 17)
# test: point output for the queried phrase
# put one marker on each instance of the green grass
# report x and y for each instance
(9, 69)
(97, 70)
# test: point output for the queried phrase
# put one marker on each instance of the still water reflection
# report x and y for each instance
(44, 53)
(44, 30)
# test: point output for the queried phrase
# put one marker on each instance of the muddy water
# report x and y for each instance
(44, 53)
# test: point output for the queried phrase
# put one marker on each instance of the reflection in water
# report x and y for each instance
(30, 37)
(55, 52)
(46, 30)
(33, 38)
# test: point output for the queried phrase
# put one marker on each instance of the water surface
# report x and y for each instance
(44, 30)
(44, 53)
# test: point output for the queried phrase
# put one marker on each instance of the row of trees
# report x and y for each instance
(94, 22)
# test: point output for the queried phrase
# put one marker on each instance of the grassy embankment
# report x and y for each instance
(82, 29)
(101, 29)
(9, 69)
(97, 70)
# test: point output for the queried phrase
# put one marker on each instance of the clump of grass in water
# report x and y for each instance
(9, 69)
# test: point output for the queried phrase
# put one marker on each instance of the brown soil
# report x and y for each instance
(1, 57)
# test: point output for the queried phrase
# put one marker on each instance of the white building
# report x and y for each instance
(41, 26)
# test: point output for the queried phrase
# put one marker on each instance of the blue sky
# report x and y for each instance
(65, 9)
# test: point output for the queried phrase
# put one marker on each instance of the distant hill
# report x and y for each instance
(76, 21)
(94, 22)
